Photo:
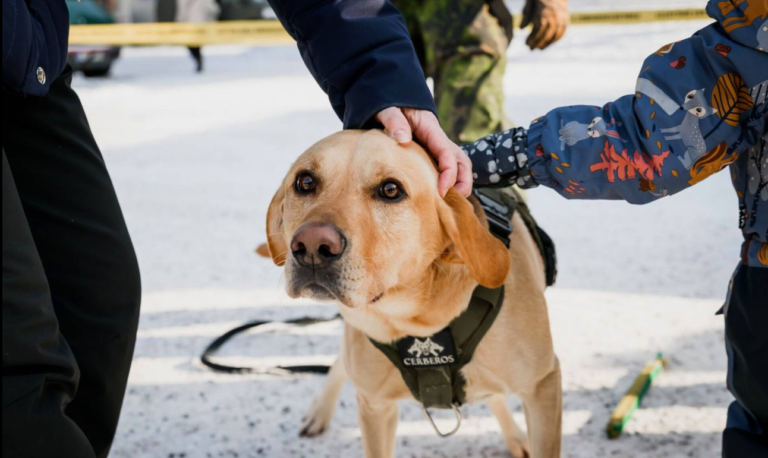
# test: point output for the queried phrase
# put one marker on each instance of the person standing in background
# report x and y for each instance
(189, 11)
(197, 11)
(165, 10)
(462, 45)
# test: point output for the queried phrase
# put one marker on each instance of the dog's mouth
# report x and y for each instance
(322, 285)
(318, 291)
(328, 284)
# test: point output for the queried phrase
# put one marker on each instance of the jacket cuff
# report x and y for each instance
(394, 80)
(500, 160)
(537, 160)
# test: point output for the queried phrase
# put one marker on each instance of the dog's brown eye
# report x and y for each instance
(305, 183)
(390, 190)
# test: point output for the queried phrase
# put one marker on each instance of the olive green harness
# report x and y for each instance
(431, 366)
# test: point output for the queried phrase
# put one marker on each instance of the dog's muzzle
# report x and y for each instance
(316, 249)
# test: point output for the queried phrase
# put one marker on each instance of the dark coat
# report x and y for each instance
(35, 36)
(360, 53)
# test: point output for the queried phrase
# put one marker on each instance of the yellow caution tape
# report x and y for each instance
(271, 32)
(627, 17)
(264, 32)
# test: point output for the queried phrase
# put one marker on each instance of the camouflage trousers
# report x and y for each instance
(462, 47)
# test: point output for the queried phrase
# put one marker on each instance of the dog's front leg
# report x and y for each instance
(544, 415)
(320, 412)
(516, 441)
(378, 422)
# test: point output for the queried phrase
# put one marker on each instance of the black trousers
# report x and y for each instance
(746, 333)
(71, 288)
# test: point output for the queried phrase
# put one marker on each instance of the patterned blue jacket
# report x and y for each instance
(700, 105)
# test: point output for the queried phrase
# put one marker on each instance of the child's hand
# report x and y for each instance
(549, 19)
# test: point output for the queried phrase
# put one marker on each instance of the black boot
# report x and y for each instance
(198, 56)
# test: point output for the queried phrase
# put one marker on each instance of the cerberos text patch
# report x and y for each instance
(436, 350)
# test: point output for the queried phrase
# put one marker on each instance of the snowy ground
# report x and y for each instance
(196, 158)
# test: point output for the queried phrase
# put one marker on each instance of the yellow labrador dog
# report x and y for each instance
(358, 220)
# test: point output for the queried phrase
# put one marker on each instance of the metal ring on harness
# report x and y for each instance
(434, 426)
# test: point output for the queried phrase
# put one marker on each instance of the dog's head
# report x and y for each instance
(358, 218)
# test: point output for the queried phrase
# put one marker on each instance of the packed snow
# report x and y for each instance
(195, 160)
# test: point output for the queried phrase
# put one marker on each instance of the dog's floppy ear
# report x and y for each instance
(278, 248)
(263, 251)
(486, 256)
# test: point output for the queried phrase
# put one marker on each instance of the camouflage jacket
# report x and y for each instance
(699, 106)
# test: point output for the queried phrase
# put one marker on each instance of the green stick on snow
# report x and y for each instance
(631, 401)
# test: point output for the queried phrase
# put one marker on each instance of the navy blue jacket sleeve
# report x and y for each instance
(360, 53)
(35, 35)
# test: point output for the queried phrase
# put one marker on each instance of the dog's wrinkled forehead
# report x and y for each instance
(361, 158)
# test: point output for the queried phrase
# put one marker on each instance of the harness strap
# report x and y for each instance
(441, 385)
(511, 198)
(543, 241)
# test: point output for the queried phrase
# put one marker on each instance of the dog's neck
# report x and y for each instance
(421, 309)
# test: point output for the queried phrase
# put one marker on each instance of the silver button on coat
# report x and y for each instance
(40, 75)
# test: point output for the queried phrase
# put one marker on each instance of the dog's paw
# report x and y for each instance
(317, 418)
(519, 448)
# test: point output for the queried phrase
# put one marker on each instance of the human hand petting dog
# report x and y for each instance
(455, 168)
(549, 19)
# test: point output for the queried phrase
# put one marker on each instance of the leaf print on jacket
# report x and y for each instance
(714, 161)
(762, 255)
(731, 98)
(744, 16)
(622, 167)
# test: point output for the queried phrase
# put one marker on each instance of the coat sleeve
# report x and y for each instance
(35, 35)
(698, 104)
(360, 54)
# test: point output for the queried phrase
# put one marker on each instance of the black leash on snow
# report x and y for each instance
(205, 358)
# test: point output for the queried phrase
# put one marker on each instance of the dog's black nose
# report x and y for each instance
(317, 244)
